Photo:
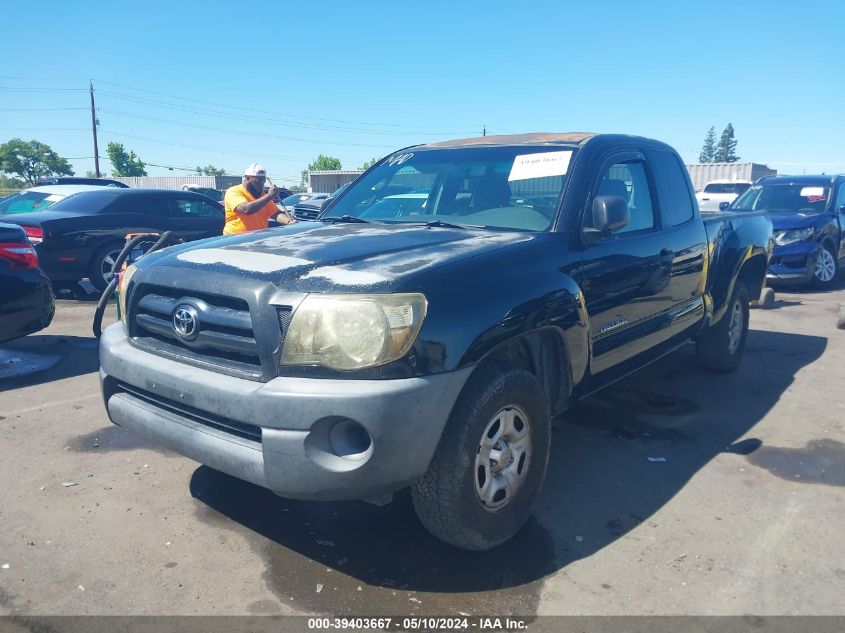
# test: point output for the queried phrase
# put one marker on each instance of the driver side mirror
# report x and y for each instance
(610, 213)
(724, 205)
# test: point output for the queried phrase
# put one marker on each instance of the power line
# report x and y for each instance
(273, 121)
(37, 109)
(204, 149)
(45, 129)
(12, 89)
(230, 131)
(220, 105)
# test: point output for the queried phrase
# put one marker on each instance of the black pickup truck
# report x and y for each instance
(427, 327)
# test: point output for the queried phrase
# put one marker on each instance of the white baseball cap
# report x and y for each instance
(255, 169)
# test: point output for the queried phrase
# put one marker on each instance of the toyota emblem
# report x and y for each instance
(185, 322)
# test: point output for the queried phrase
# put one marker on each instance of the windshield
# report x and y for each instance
(28, 201)
(87, 201)
(791, 198)
(490, 187)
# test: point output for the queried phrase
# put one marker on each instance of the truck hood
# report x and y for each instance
(787, 221)
(317, 257)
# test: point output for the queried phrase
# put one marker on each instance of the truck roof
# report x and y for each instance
(567, 139)
(534, 138)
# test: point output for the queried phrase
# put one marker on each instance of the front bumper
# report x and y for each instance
(793, 263)
(281, 434)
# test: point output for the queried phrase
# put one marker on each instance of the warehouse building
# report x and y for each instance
(702, 173)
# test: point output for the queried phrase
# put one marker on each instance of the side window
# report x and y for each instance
(193, 208)
(628, 180)
(672, 189)
(840, 197)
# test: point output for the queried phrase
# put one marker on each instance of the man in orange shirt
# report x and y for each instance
(247, 209)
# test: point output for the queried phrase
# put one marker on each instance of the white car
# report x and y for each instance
(40, 198)
(719, 191)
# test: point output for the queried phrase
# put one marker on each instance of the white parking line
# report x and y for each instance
(55, 403)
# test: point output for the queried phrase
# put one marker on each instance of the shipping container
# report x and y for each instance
(702, 173)
(328, 180)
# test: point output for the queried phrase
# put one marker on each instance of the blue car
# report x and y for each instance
(808, 216)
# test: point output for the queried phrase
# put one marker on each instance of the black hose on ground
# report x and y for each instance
(162, 241)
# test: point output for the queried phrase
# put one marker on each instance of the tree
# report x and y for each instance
(124, 164)
(90, 174)
(10, 183)
(369, 164)
(726, 151)
(708, 151)
(31, 160)
(321, 163)
(325, 163)
(210, 170)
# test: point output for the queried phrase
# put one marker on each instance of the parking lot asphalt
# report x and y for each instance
(674, 492)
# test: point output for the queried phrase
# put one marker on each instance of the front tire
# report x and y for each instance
(720, 347)
(826, 268)
(490, 464)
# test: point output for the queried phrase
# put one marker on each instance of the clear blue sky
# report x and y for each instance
(192, 83)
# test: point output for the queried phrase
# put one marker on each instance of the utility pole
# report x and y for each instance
(94, 129)
(484, 129)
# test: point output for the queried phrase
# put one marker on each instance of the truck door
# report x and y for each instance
(685, 237)
(625, 275)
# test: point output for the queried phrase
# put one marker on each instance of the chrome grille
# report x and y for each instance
(305, 213)
(223, 334)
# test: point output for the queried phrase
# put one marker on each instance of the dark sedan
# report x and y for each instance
(808, 215)
(26, 299)
(77, 180)
(81, 235)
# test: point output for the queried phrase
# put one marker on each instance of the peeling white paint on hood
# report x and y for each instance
(243, 260)
(345, 277)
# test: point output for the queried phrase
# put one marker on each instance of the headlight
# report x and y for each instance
(125, 276)
(353, 331)
(782, 238)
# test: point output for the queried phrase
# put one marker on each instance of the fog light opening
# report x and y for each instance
(350, 440)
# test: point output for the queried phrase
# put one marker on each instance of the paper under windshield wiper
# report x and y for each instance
(344, 218)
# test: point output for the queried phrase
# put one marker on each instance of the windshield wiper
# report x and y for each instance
(449, 225)
(351, 219)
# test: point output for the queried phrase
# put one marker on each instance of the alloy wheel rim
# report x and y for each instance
(108, 264)
(825, 266)
(502, 458)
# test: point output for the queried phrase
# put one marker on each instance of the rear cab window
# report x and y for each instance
(673, 190)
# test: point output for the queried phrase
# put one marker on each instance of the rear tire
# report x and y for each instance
(720, 346)
(490, 464)
(101, 263)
